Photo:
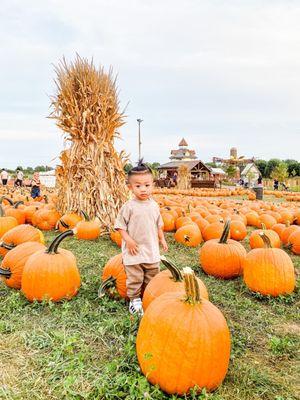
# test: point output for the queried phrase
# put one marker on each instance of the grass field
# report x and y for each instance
(84, 348)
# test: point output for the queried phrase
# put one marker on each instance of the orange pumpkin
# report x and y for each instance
(68, 221)
(188, 235)
(256, 241)
(213, 231)
(13, 263)
(169, 221)
(46, 220)
(87, 229)
(113, 278)
(196, 328)
(287, 232)
(51, 274)
(238, 230)
(268, 270)
(170, 280)
(294, 242)
(222, 257)
(6, 223)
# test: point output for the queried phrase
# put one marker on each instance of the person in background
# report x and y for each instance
(4, 177)
(20, 177)
(35, 185)
(259, 181)
(175, 178)
(276, 184)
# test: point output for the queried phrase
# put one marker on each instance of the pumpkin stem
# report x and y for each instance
(175, 271)
(191, 286)
(7, 199)
(53, 248)
(266, 239)
(85, 216)
(46, 199)
(263, 226)
(1, 212)
(225, 233)
(16, 205)
(108, 283)
(7, 246)
(64, 224)
(5, 272)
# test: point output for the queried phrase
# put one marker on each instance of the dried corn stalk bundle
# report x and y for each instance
(91, 175)
(184, 177)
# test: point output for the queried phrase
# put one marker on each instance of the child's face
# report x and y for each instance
(141, 186)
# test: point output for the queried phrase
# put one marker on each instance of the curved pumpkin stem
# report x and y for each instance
(7, 246)
(5, 272)
(175, 271)
(7, 199)
(2, 214)
(16, 205)
(53, 248)
(108, 283)
(64, 224)
(85, 216)
(266, 239)
(225, 233)
(191, 286)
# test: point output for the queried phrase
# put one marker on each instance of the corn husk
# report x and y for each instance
(184, 177)
(91, 176)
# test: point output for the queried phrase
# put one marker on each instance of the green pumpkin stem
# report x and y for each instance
(53, 248)
(191, 286)
(6, 273)
(7, 199)
(176, 273)
(225, 233)
(85, 216)
(16, 205)
(108, 283)
(266, 239)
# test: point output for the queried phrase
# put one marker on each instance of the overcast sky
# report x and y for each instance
(219, 73)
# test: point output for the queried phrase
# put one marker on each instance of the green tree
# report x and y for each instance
(127, 167)
(273, 163)
(280, 172)
(261, 165)
(231, 171)
(250, 176)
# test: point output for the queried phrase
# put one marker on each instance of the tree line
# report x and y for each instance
(267, 168)
(30, 170)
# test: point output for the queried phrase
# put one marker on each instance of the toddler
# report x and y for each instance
(141, 227)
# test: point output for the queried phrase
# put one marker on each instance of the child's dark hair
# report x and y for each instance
(141, 168)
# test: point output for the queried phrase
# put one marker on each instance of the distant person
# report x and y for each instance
(276, 184)
(175, 176)
(35, 185)
(259, 181)
(4, 177)
(20, 177)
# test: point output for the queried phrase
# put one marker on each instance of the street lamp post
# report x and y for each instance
(139, 122)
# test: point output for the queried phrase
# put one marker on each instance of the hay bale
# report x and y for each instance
(91, 176)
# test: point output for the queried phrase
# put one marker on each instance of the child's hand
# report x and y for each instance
(132, 246)
(164, 244)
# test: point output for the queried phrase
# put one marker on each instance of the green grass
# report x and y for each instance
(85, 348)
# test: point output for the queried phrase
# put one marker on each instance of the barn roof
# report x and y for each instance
(190, 164)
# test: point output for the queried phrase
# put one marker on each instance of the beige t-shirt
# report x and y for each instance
(141, 220)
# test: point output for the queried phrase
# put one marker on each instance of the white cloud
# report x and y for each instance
(218, 73)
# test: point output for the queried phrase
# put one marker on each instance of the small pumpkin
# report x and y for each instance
(188, 235)
(113, 278)
(68, 221)
(13, 263)
(51, 274)
(222, 257)
(6, 223)
(294, 242)
(87, 229)
(268, 270)
(256, 240)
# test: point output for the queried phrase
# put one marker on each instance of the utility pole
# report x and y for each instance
(140, 143)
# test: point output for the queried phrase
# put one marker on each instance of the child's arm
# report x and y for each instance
(130, 243)
(162, 239)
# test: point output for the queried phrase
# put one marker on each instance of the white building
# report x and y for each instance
(250, 173)
(48, 178)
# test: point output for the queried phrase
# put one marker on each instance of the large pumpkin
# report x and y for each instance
(269, 271)
(51, 274)
(20, 234)
(114, 278)
(45, 220)
(222, 257)
(182, 332)
(170, 280)
(13, 263)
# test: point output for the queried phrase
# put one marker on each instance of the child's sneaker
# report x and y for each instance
(136, 307)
